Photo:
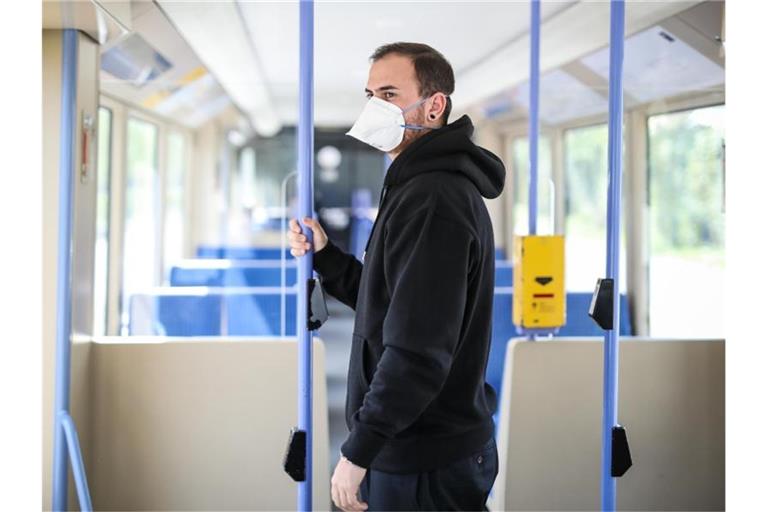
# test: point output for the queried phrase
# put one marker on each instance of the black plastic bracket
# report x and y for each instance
(296, 455)
(621, 459)
(601, 307)
(317, 310)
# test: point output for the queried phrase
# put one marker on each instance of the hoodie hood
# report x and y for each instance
(450, 149)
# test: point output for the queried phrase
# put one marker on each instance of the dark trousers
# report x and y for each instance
(461, 485)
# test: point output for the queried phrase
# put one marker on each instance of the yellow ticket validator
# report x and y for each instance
(539, 281)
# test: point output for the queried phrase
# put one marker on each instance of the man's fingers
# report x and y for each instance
(335, 496)
(352, 502)
(346, 504)
(294, 224)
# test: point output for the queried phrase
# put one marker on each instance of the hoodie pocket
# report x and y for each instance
(360, 355)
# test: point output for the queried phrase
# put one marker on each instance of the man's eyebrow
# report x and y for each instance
(384, 88)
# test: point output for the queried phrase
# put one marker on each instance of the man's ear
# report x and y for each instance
(437, 107)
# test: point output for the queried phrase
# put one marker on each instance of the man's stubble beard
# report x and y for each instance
(410, 135)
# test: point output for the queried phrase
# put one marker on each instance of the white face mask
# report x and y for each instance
(382, 124)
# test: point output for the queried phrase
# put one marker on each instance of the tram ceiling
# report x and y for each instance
(253, 53)
(153, 68)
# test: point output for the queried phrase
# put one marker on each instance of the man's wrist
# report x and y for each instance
(343, 458)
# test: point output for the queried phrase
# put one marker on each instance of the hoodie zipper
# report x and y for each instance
(383, 195)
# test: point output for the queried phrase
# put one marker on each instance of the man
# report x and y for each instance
(418, 408)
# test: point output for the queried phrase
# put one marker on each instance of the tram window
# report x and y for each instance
(687, 222)
(140, 217)
(173, 236)
(101, 261)
(520, 163)
(247, 175)
(586, 190)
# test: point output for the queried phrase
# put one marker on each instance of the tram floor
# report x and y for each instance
(336, 333)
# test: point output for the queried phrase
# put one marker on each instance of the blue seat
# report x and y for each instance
(190, 315)
(246, 311)
(232, 273)
(578, 323)
(206, 251)
(358, 236)
(503, 273)
(195, 276)
(501, 254)
(241, 253)
(259, 314)
(175, 314)
(503, 331)
(258, 276)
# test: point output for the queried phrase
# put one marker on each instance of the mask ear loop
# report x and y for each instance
(417, 126)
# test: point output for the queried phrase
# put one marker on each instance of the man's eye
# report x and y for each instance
(389, 95)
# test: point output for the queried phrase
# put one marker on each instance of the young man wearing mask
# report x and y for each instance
(418, 408)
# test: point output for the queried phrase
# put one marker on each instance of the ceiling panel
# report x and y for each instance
(346, 33)
(561, 98)
(658, 65)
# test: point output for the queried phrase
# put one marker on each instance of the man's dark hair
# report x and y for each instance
(433, 72)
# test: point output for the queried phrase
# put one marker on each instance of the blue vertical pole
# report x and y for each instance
(63, 283)
(611, 348)
(533, 118)
(305, 152)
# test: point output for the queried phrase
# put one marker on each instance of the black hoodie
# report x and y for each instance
(416, 392)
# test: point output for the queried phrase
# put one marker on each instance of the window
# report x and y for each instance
(521, 166)
(247, 173)
(101, 261)
(141, 207)
(586, 196)
(687, 222)
(173, 241)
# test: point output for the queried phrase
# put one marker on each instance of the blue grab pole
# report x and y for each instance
(63, 283)
(533, 118)
(611, 349)
(67, 425)
(305, 152)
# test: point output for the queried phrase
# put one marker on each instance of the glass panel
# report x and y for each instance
(521, 165)
(586, 191)
(687, 222)
(101, 262)
(173, 237)
(139, 247)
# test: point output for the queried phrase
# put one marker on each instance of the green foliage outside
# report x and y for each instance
(141, 168)
(686, 182)
(586, 181)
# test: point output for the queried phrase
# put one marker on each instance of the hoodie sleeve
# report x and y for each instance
(427, 262)
(340, 272)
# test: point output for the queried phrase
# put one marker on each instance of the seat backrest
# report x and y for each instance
(671, 403)
(578, 323)
(200, 424)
